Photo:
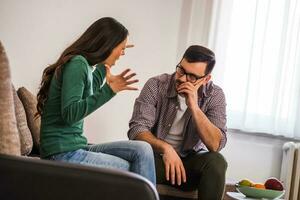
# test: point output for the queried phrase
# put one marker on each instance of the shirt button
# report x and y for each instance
(176, 107)
(169, 125)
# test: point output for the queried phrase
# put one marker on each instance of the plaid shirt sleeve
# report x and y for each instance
(144, 111)
(216, 113)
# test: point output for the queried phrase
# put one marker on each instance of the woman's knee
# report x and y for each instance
(143, 148)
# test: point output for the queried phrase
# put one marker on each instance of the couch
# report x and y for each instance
(167, 192)
(23, 175)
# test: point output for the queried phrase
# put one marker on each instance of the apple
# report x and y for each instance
(273, 184)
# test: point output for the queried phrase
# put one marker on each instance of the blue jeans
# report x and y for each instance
(134, 156)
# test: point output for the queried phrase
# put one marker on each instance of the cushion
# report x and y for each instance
(29, 102)
(24, 132)
(9, 137)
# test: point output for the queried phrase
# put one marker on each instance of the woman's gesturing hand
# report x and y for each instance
(120, 82)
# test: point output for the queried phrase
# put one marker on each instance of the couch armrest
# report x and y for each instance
(35, 179)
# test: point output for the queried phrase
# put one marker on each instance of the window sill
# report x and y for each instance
(265, 135)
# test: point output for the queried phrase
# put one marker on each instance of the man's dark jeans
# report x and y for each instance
(205, 171)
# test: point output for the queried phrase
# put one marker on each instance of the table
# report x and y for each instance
(239, 196)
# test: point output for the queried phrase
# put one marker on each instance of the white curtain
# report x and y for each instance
(257, 45)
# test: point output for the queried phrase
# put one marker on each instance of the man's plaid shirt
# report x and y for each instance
(155, 110)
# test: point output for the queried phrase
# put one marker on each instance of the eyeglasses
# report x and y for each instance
(189, 77)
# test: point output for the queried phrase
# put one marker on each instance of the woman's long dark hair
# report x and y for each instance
(95, 45)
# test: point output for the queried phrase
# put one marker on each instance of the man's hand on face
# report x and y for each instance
(174, 168)
(190, 91)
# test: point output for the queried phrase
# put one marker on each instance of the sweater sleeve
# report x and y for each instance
(74, 81)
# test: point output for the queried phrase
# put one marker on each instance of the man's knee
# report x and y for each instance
(212, 161)
(217, 162)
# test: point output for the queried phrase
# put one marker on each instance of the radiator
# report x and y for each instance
(290, 170)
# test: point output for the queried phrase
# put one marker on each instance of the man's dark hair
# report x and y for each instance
(196, 53)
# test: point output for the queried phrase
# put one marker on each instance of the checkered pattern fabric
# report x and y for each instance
(155, 110)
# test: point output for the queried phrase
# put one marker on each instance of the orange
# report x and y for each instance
(259, 186)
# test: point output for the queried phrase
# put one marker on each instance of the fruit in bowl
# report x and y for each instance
(246, 182)
(273, 184)
(259, 193)
(259, 186)
(271, 189)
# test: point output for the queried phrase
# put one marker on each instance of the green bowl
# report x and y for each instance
(259, 193)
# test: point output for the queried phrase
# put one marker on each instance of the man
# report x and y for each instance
(183, 117)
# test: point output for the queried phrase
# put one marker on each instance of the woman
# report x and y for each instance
(70, 90)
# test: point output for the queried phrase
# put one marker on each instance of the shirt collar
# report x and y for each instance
(171, 92)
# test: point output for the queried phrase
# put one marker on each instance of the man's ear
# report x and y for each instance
(207, 78)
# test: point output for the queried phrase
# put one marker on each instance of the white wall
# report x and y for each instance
(252, 156)
(35, 32)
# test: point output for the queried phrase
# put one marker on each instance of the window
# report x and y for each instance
(257, 46)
